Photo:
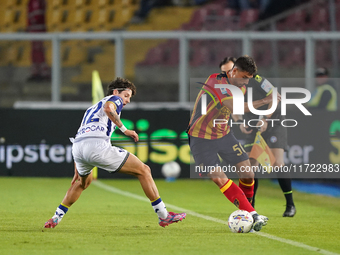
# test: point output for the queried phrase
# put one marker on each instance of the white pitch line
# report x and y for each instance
(279, 239)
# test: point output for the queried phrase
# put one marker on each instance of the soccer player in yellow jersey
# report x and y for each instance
(208, 141)
(274, 135)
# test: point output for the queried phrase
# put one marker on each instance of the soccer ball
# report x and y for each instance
(240, 221)
(171, 170)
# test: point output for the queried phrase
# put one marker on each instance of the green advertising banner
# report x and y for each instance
(36, 142)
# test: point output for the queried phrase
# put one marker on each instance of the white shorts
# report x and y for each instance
(92, 152)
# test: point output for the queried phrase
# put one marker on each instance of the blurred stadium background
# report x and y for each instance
(154, 62)
(176, 41)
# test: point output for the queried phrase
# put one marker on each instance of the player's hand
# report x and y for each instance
(278, 97)
(269, 99)
(264, 126)
(244, 129)
(132, 134)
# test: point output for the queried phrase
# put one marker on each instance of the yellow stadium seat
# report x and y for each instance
(12, 53)
(53, 18)
(72, 55)
(23, 54)
(13, 3)
(19, 15)
(8, 3)
(54, 3)
(2, 20)
(4, 45)
(14, 19)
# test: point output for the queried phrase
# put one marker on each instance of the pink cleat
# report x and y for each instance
(172, 217)
(51, 223)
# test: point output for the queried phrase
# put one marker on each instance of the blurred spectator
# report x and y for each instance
(325, 95)
(36, 24)
(275, 7)
(249, 4)
(189, 2)
(145, 7)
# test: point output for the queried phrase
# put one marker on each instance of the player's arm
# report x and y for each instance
(258, 103)
(110, 110)
(244, 128)
(264, 118)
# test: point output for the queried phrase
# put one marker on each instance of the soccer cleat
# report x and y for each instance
(172, 217)
(290, 211)
(51, 223)
(265, 219)
(259, 221)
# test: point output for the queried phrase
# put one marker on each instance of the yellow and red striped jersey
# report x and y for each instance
(202, 126)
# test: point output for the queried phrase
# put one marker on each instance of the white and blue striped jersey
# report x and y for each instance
(95, 123)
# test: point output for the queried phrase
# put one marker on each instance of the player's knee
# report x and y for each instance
(247, 180)
(218, 181)
(145, 170)
(84, 184)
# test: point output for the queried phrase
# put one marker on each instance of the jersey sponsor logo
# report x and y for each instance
(267, 86)
(258, 78)
(117, 102)
(224, 91)
(90, 129)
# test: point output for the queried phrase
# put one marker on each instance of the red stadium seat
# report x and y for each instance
(224, 49)
(199, 56)
(228, 22)
(171, 53)
(154, 56)
(247, 17)
(294, 22)
(197, 20)
(294, 55)
(319, 19)
(262, 53)
(213, 17)
(323, 53)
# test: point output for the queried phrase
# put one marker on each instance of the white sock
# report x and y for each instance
(159, 208)
(60, 212)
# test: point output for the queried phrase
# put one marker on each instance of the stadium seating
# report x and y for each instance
(262, 52)
(319, 19)
(107, 15)
(217, 16)
(66, 16)
(294, 22)
(323, 53)
(247, 17)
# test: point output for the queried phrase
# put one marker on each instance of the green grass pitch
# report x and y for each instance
(102, 222)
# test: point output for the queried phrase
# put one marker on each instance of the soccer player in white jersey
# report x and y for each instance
(92, 148)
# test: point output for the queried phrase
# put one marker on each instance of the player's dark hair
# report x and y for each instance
(246, 64)
(120, 84)
(227, 60)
